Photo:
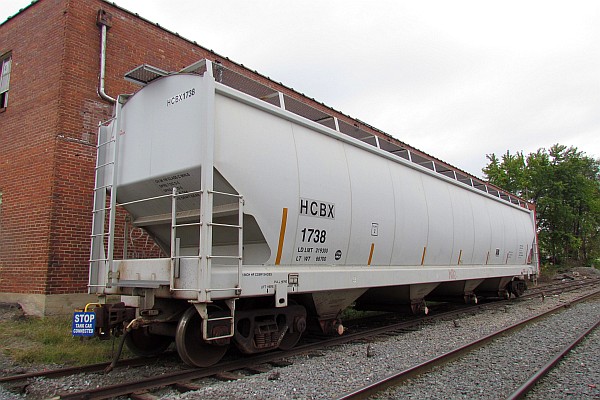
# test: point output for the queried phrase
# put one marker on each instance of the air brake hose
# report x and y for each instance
(130, 326)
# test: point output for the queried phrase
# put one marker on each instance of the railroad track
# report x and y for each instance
(398, 378)
(182, 378)
(560, 286)
(90, 368)
(536, 377)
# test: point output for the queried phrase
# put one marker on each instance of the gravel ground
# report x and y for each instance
(576, 376)
(496, 370)
(348, 367)
(344, 368)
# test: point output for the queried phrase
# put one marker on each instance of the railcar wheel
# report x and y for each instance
(517, 287)
(145, 344)
(192, 349)
(297, 325)
(290, 339)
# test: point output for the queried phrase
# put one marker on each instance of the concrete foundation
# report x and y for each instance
(52, 304)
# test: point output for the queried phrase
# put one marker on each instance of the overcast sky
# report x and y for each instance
(456, 79)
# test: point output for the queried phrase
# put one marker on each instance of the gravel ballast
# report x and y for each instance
(482, 375)
(576, 376)
(497, 369)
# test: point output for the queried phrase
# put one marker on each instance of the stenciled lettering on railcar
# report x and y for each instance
(312, 244)
(180, 97)
(177, 181)
(317, 208)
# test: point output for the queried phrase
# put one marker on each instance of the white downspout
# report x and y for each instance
(101, 91)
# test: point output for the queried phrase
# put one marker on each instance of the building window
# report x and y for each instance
(6, 61)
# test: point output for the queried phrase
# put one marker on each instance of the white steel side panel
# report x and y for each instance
(528, 235)
(155, 127)
(255, 153)
(160, 131)
(325, 200)
(497, 250)
(412, 220)
(440, 240)
(373, 209)
(520, 256)
(510, 235)
(482, 232)
(464, 234)
(526, 238)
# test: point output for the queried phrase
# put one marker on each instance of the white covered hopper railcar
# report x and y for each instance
(268, 220)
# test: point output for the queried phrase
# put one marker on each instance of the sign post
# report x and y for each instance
(84, 323)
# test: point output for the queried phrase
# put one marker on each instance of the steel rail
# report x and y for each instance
(560, 286)
(399, 377)
(57, 373)
(522, 390)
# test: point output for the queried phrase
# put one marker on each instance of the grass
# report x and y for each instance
(547, 272)
(31, 340)
(350, 313)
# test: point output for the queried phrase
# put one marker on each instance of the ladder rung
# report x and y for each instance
(226, 257)
(225, 225)
(104, 165)
(99, 234)
(186, 257)
(189, 224)
(101, 209)
(99, 259)
(105, 143)
(103, 187)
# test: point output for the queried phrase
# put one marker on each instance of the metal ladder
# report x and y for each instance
(101, 259)
(207, 289)
(240, 228)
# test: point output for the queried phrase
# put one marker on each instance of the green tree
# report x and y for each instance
(564, 184)
(509, 174)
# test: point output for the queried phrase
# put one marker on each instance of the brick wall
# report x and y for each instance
(27, 133)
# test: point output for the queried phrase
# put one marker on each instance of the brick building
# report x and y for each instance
(52, 98)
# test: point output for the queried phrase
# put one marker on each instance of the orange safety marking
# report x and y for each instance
(423, 256)
(371, 253)
(281, 235)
